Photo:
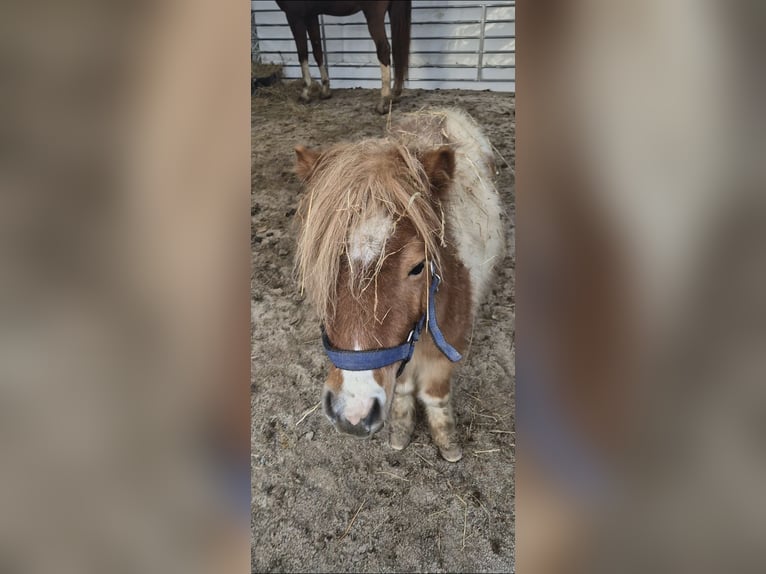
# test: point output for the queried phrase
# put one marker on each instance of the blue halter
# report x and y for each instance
(379, 358)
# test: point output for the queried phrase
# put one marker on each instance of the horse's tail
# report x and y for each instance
(400, 15)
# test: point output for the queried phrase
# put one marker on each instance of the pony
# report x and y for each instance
(303, 16)
(397, 241)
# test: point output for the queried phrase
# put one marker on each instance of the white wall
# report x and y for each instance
(446, 49)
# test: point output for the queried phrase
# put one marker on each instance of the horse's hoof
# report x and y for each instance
(452, 453)
(382, 107)
(325, 93)
(305, 97)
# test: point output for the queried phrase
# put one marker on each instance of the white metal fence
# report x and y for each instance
(455, 44)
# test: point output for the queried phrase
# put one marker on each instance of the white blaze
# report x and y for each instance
(367, 240)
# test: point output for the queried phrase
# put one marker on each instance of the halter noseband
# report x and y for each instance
(379, 358)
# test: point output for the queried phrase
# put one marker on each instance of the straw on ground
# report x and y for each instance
(308, 412)
(348, 528)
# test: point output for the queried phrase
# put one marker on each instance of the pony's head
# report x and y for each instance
(371, 224)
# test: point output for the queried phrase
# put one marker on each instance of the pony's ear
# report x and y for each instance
(305, 160)
(439, 165)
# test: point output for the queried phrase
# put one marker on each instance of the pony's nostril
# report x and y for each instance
(327, 405)
(373, 418)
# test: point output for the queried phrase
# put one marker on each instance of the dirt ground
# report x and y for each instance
(326, 502)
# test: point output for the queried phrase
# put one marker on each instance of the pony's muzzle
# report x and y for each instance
(364, 427)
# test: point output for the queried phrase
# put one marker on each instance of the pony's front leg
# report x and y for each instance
(402, 413)
(434, 393)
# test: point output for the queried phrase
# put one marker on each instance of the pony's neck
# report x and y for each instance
(454, 308)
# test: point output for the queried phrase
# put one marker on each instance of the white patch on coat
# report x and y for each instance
(366, 241)
(385, 80)
(325, 80)
(306, 74)
(357, 394)
(474, 207)
(433, 402)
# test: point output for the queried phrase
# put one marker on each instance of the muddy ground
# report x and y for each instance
(326, 502)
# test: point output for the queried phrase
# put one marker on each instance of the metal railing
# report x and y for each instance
(463, 49)
(255, 52)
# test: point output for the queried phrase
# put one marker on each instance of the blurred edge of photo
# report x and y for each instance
(125, 257)
(641, 279)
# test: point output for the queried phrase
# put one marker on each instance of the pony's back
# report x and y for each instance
(473, 207)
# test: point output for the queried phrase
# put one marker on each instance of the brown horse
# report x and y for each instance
(397, 243)
(303, 16)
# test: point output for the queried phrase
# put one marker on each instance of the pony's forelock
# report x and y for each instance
(350, 184)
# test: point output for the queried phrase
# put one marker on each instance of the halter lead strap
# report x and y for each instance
(379, 358)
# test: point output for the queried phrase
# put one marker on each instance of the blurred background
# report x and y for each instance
(124, 299)
(641, 282)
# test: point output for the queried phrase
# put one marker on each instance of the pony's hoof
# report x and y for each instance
(401, 427)
(382, 107)
(399, 440)
(325, 93)
(452, 453)
(305, 96)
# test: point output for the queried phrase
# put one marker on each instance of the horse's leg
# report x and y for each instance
(434, 393)
(402, 413)
(316, 48)
(376, 26)
(298, 28)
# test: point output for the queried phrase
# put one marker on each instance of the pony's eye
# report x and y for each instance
(418, 269)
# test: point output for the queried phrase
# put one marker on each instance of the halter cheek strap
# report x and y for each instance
(379, 358)
(441, 343)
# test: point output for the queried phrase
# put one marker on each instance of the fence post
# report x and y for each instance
(255, 52)
(480, 63)
(324, 44)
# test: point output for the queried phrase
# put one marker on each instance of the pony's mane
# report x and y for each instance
(349, 184)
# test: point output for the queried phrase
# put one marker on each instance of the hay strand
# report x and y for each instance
(307, 413)
(353, 519)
